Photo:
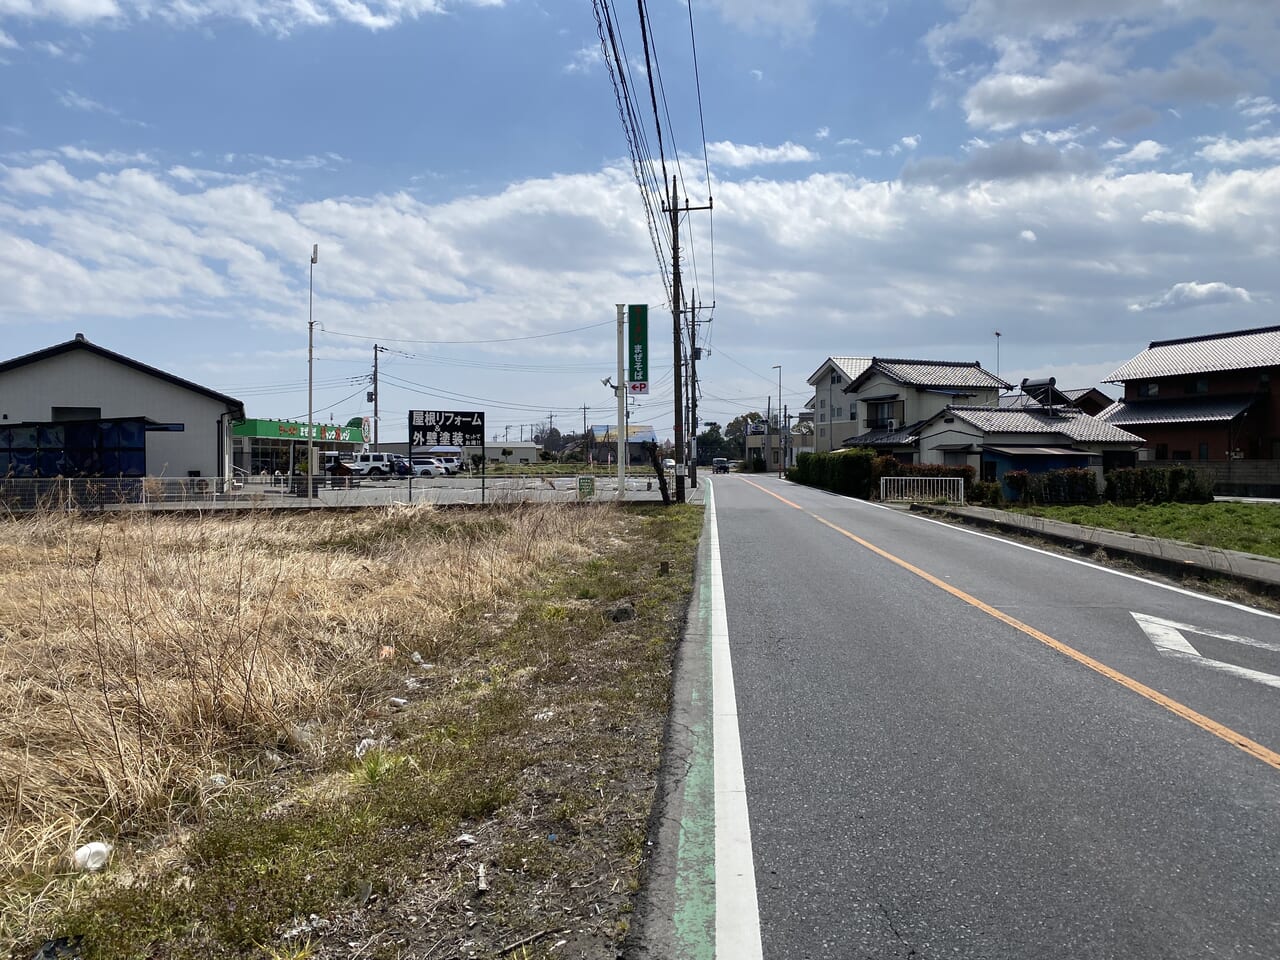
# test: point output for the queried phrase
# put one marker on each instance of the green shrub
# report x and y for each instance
(985, 492)
(1069, 485)
(1174, 484)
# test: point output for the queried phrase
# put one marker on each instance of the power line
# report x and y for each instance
(532, 336)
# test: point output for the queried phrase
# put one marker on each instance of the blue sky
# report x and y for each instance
(893, 179)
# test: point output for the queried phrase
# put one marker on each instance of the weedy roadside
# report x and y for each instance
(402, 733)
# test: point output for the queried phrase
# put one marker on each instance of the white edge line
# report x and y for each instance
(737, 910)
(1086, 563)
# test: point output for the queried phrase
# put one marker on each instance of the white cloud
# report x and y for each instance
(1257, 106)
(1004, 100)
(1112, 143)
(74, 101)
(1147, 151)
(790, 18)
(1191, 294)
(730, 154)
(910, 142)
(7, 42)
(757, 75)
(112, 158)
(848, 142)
(1224, 150)
(822, 133)
(279, 16)
(956, 256)
(585, 59)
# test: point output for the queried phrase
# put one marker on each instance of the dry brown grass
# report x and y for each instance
(140, 654)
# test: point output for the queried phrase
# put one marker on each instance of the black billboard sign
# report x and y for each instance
(446, 428)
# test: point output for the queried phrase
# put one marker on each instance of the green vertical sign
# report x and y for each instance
(638, 347)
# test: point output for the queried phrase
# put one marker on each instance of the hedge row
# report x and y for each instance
(1159, 485)
(1069, 485)
(857, 473)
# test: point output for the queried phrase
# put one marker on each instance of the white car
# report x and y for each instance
(668, 465)
(373, 465)
(427, 467)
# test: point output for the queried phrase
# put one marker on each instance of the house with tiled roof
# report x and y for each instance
(891, 398)
(833, 416)
(1034, 437)
(1209, 398)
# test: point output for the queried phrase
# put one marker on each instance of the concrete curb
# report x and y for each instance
(1257, 574)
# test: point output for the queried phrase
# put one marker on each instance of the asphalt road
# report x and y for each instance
(953, 746)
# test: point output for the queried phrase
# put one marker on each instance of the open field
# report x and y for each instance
(1247, 527)
(283, 724)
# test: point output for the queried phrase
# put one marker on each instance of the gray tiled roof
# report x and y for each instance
(1190, 410)
(884, 438)
(1241, 350)
(853, 367)
(937, 373)
(1064, 421)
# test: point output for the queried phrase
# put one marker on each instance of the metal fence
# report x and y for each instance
(922, 489)
(28, 494)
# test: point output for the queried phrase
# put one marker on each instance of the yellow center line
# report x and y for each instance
(1251, 747)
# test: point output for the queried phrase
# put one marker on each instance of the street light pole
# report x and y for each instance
(782, 449)
(311, 338)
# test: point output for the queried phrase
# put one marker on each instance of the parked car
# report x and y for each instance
(719, 465)
(402, 466)
(373, 465)
(668, 465)
(426, 467)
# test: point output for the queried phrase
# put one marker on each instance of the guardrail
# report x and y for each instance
(922, 489)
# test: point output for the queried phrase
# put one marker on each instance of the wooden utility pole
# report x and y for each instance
(675, 210)
(375, 397)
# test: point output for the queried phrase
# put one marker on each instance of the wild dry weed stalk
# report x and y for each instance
(142, 654)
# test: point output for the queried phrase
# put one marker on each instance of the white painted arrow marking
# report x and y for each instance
(1168, 639)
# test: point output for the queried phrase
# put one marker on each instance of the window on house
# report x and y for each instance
(822, 417)
(1204, 451)
(836, 378)
(1148, 389)
(1198, 385)
(822, 431)
(837, 413)
(1182, 454)
(1162, 451)
(955, 458)
(823, 403)
(988, 471)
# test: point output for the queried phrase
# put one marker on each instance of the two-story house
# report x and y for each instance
(833, 413)
(890, 398)
(1208, 398)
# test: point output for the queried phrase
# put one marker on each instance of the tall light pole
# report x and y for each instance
(311, 339)
(782, 449)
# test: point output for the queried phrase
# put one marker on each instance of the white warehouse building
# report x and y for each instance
(112, 415)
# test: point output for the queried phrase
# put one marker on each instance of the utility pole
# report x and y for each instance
(675, 210)
(695, 354)
(311, 356)
(375, 398)
(586, 444)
